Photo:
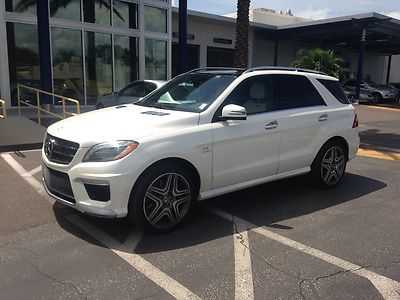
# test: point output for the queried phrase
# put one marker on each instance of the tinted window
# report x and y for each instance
(254, 94)
(335, 89)
(294, 92)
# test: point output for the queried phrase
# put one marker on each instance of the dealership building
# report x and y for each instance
(99, 46)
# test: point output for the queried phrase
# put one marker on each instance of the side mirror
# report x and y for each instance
(233, 112)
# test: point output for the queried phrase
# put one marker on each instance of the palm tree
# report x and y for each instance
(242, 33)
(320, 60)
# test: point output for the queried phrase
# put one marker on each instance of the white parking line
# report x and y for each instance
(35, 170)
(38, 186)
(243, 272)
(126, 252)
(389, 288)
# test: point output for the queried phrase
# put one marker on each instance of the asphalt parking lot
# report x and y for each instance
(282, 240)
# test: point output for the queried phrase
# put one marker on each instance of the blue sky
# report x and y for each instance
(315, 9)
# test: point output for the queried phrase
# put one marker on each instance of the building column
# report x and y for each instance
(4, 74)
(388, 69)
(46, 83)
(360, 64)
(182, 36)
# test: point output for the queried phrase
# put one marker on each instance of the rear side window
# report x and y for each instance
(335, 89)
(294, 91)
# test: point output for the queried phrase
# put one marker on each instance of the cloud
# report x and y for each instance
(315, 14)
(394, 14)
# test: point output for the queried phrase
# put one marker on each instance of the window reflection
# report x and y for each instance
(70, 9)
(98, 60)
(126, 60)
(21, 6)
(23, 59)
(156, 59)
(67, 63)
(125, 14)
(97, 11)
(155, 19)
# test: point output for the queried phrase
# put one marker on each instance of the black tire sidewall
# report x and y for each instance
(316, 175)
(135, 206)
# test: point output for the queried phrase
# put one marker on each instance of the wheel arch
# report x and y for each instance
(178, 161)
(338, 139)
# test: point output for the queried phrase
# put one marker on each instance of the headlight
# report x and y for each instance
(110, 151)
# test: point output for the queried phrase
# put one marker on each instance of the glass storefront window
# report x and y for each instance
(156, 59)
(126, 60)
(23, 60)
(70, 9)
(125, 14)
(67, 63)
(97, 11)
(155, 19)
(21, 6)
(98, 65)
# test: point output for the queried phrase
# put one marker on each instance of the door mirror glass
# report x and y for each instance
(233, 112)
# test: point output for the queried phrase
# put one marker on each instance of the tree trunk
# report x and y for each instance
(242, 33)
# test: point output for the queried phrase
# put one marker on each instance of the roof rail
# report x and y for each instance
(216, 69)
(267, 68)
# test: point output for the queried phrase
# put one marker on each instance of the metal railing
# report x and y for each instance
(3, 108)
(39, 109)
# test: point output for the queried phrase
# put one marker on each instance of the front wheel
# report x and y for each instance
(162, 198)
(329, 166)
(377, 98)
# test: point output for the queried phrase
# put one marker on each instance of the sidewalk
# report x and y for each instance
(20, 133)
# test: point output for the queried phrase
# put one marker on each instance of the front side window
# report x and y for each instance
(294, 91)
(255, 94)
(191, 92)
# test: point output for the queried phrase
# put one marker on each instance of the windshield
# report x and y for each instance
(192, 92)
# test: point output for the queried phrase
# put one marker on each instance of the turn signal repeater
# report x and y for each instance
(355, 122)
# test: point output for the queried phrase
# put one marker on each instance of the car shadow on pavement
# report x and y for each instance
(374, 139)
(265, 205)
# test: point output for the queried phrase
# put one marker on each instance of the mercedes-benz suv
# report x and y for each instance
(204, 133)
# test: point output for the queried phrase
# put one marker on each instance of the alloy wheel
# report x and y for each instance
(333, 165)
(167, 200)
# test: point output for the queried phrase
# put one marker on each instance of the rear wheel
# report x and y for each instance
(162, 197)
(376, 98)
(329, 166)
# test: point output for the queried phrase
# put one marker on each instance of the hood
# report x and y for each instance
(124, 122)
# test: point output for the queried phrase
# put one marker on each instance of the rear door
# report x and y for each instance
(304, 122)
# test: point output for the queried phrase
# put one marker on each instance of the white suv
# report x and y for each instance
(205, 133)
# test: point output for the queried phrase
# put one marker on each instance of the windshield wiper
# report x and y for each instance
(161, 105)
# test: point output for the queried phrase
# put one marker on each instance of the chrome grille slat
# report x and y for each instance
(58, 150)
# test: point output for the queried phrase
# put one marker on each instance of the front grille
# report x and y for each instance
(58, 184)
(58, 150)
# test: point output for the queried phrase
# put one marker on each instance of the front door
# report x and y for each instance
(249, 149)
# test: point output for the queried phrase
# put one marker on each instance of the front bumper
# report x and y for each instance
(119, 177)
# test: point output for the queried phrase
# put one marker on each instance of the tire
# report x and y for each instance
(377, 98)
(162, 198)
(329, 166)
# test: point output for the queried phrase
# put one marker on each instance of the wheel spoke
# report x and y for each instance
(331, 176)
(157, 211)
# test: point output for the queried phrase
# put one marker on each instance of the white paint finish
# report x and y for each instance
(389, 288)
(253, 150)
(126, 252)
(32, 181)
(244, 288)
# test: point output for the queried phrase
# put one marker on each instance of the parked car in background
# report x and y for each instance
(364, 95)
(205, 133)
(395, 86)
(133, 92)
(377, 92)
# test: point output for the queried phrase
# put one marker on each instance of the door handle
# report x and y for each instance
(271, 125)
(324, 117)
